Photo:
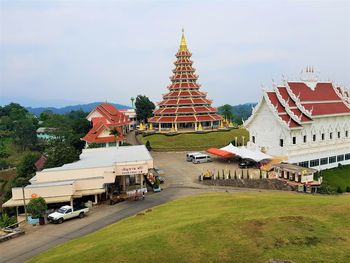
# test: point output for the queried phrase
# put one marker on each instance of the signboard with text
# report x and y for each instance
(131, 169)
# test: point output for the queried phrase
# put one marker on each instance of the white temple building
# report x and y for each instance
(306, 121)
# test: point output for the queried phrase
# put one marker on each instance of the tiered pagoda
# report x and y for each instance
(184, 107)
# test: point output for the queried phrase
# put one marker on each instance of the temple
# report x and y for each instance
(104, 118)
(307, 121)
(184, 107)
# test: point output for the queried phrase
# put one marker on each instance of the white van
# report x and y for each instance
(201, 158)
(189, 156)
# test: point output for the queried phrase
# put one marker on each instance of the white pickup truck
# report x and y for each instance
(66, 212)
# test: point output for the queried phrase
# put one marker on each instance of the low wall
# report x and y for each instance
(272, 184)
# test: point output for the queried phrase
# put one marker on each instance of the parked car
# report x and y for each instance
(159, 171)
(247, 164)
(201, 158)
(160, 178)
(189, 156)
(66, 212)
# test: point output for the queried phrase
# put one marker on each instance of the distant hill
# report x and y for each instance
(85, 107)
(241, 111)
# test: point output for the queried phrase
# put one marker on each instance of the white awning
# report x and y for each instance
(81, 193)
(244, 153)
(49, 200)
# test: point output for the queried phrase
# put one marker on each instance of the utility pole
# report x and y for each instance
(24, 203)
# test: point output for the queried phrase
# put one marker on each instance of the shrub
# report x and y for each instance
(347, 189)
(148, 146)
(4, 164)
(6, 221)
(339, 190)
(37, 207)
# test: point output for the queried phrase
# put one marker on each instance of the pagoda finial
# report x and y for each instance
(183, 46)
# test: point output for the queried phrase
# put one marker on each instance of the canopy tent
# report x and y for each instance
(244, 153)
(220, 152)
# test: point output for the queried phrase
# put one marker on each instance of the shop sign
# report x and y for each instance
(130, 170)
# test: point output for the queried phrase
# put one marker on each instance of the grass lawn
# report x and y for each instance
(222, 227)
(195, 140)
(339, 176)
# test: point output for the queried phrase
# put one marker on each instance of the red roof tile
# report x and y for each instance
(327, 108)
(322, 91)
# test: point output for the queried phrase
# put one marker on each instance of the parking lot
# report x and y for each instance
(179, 172)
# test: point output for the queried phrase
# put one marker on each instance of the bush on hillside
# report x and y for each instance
(6, 220)
(347, 189)
(339, 190)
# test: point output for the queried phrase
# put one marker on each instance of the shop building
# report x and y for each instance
(99, 173)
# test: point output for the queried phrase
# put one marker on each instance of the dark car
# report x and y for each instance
(247, 164)
(160, 178)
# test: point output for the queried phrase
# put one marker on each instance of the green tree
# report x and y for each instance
(226, 111)
(37, 207)
(144, 108)
(60, 153)
(27, 165)
(6, 220)
(25, 133)
(116, 133)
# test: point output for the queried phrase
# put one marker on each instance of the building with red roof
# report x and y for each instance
(184, 106)
(105, 118)
(306, 120)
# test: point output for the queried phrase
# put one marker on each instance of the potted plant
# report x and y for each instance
(37, 208)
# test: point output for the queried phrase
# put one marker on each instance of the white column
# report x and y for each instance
(175, 126)
(141, 180)
(95, 199)
(160, 127)
(195, 126)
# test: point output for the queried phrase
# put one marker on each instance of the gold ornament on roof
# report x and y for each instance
(183, 45)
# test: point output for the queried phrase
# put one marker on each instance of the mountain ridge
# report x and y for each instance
(87, 107)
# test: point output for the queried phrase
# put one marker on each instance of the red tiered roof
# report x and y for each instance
(110, 115)
(307, 100)
(184, 102)
(93, 136)
(108, 118)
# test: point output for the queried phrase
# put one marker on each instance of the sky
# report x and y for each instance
(57, 53)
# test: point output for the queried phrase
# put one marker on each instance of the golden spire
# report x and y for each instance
(183, 46)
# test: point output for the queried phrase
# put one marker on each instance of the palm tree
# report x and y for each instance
(116, 134)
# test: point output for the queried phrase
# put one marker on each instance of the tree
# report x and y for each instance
(25, 133)
(37, 207)
(144, 108)
(27, 165)
(6, 221)
(226, 111)
(148, 145)
(115, 132)
(61, 153)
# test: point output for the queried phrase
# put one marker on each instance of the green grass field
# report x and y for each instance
(339, 176)
(195, 140)
(222, 227)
